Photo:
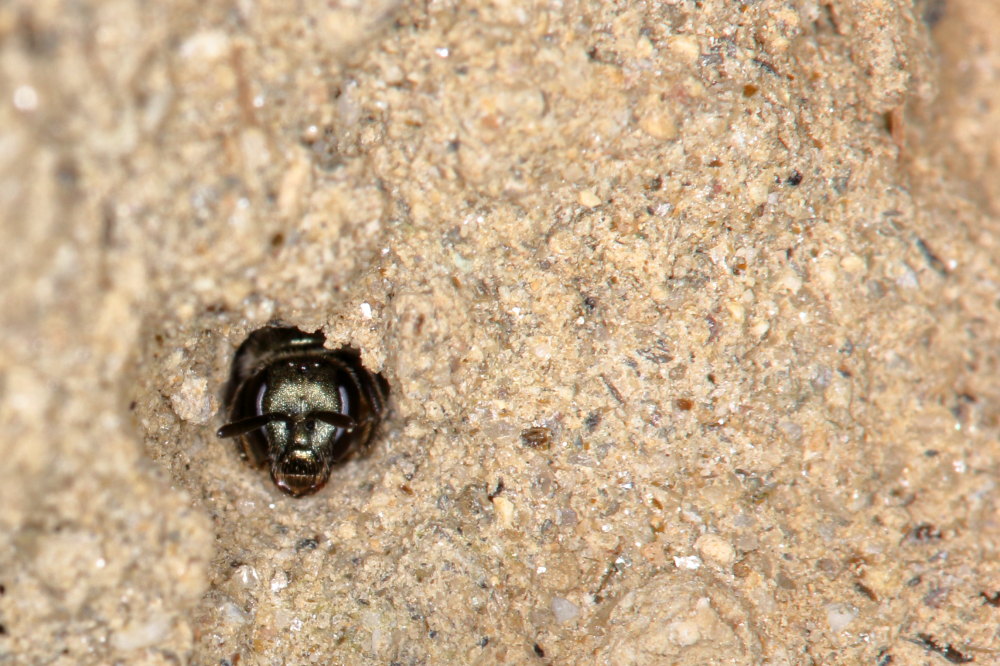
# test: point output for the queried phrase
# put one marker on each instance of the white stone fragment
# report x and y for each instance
(838, 616)
(205, 45)
(564, 610)
(232, 614)
(143, 633)
(279, 581)
(25, 98)
(691, 562)
(192, 402)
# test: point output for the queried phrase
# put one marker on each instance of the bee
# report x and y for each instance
(300, 408)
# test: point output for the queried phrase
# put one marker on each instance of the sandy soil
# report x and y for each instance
(734, 263)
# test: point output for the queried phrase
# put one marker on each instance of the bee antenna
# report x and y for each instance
(335, 419)
(243, 426)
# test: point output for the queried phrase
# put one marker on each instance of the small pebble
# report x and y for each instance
(691, 562)
(716, 550)
(247, 576)
(505, 511)
(564, 610)
(232, 614)
(192, 401)
(142, 634)
(279, 581)
(589, 199)
(838, 616)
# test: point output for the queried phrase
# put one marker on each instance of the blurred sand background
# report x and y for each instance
(739, 260)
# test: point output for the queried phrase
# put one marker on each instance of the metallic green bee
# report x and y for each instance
(299, 407)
